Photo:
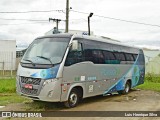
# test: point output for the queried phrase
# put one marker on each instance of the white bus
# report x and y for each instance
(67, 68)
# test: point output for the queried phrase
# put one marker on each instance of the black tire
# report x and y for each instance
(73, 99)
(126, 89)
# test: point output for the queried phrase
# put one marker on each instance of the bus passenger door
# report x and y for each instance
(74, 70)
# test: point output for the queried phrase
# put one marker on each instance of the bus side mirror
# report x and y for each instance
(75, 45)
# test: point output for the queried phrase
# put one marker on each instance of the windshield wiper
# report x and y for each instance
(29, 61)
(45, 59)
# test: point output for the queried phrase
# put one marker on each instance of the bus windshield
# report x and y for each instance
(46, 51)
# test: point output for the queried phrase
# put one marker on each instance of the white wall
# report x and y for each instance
(7, 54)
(150, 54)
(152, 61)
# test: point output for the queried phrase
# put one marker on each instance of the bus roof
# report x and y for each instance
(94, 38)
(104, 39)
(56, 35)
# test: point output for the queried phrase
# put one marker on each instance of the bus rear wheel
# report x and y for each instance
(126, 89)
(73, 99)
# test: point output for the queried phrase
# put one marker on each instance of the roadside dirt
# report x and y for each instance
(136, 100)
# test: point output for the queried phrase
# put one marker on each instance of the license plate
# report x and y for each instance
(28, 86)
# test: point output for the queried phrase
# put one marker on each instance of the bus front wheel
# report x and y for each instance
(73, 99)
(126, 89)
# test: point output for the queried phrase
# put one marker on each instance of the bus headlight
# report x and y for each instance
(48, 81)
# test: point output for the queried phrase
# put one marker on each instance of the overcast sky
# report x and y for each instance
(143, 11)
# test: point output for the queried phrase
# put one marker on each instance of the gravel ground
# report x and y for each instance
(136, 100)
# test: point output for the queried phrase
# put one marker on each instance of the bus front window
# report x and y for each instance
(46, 51)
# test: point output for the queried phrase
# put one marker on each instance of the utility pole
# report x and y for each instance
(55, 20)
(67, 16)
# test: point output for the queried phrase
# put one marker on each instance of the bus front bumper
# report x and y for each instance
(50, 91)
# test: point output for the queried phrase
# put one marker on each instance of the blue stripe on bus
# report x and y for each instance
(47, 73)
(119, 85)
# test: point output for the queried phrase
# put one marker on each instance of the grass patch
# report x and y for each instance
(11, 98)
(8, 92)
(152, 82)
(151, 78)
(27, 104)
(8, 85)
(150, 86)
(8, 95)
(42, 106)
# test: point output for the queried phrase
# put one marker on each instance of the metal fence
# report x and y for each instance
(7, 63)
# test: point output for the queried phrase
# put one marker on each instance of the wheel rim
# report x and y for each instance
(127, 88)
(73, 99)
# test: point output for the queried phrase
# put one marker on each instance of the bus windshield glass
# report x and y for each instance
(46, 51)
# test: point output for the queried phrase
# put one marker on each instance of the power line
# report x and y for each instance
(35, 22)
(135, 22)
(123, 20)
(81, 19)
(23, 19)
(23, 23)
(42, 11)
(38, 21)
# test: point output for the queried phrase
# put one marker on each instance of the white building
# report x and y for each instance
(152, 59)
(7, 54)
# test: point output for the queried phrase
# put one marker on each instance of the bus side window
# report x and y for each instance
(129, 58)
(88, 55)
(109, 57)
(98, 57)
(74, 57)
(120, 57)
(135, 56)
